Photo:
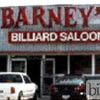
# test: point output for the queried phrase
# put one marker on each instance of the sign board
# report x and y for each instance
(53, 36)
(47, 17)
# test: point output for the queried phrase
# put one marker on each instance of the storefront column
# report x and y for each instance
(68, 64)
(8, 63)
(42, 68)
(93, 64)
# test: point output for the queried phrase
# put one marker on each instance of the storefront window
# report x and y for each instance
(97, 66)
(19, 65)
(80, 64)
(48, 67)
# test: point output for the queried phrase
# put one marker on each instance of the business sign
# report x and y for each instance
(54, 36)
(93, 89)
(50, 16)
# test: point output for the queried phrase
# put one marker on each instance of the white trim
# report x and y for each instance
(18, 59)
(68, 64)
(41, 77)
(8, 63)
(93, 64)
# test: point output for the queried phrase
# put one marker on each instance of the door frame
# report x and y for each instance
(42, 73)
(19, 59)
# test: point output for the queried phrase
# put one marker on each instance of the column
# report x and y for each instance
(68, 64)
(8, 63)
(93, 64)
(42, 66)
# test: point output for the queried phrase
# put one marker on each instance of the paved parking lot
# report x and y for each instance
(44, 98)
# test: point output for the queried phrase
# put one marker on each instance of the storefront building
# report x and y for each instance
(47, 41)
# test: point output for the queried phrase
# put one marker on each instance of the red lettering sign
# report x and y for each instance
(54, 37)
(65, 16)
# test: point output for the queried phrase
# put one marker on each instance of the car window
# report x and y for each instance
(70, 80)
(10, 78)
(27, 79)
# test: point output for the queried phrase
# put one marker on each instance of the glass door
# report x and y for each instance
(48, 75)
(18, 65)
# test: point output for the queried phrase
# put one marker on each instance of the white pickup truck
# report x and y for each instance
(17, 86)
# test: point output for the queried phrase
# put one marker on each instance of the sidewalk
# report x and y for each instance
(44, 98)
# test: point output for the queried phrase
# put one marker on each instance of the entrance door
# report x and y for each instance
(48, 77)
(18, 65)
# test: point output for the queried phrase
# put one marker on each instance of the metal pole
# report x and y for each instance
(8, 63)
(68, 64)
(93, 64)
(41, 80)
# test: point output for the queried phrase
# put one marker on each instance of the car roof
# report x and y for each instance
(20, 73)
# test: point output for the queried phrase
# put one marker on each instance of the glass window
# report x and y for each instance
(80, 64)
(26, 79)
(10, 78)
(48, 67)
(18, 66)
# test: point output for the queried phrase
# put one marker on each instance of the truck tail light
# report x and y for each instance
(12, 90)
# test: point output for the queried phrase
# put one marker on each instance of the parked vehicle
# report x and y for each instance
(68, 88)
(17, 86)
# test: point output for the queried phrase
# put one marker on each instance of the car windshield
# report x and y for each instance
(9, 78)
(69, 80)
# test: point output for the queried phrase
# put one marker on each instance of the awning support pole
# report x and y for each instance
(68, 64)
(93, 64)
(41, 79)
(8, 63)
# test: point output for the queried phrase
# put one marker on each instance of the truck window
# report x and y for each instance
(10, 78)
(26, 79)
